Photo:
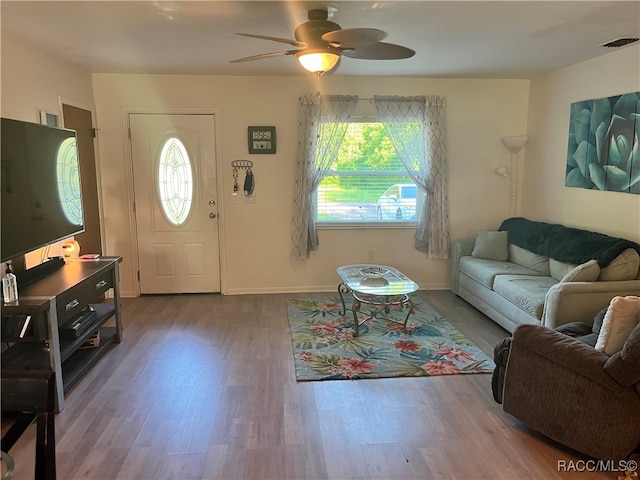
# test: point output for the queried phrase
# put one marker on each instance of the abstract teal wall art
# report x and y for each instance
(603, 144)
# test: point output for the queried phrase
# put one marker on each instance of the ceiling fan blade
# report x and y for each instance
(380, 51)
(352, 38)
(295, 43)
(263, 55)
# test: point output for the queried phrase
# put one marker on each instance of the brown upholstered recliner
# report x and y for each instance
(567, 390)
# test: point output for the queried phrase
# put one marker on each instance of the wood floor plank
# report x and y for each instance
(142, 462)
(214, 462)
(184, 466)
(386, 460)
(265, 463)
(343, 455)
(203, 387)
(304, 461)
(102, 463)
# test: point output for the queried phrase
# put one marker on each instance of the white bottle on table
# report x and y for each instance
(9, 286)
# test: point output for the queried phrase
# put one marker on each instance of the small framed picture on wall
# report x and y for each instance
(262, 139)
(49, 119)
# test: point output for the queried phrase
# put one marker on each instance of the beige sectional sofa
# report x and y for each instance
(539, 273)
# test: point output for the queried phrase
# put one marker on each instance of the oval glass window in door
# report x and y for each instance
(175, 182)
(68, 173)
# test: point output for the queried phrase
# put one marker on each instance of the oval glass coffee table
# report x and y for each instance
(380, 286)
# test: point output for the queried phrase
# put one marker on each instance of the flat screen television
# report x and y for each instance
(41, 193)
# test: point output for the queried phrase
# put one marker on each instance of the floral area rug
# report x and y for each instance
(324, 347)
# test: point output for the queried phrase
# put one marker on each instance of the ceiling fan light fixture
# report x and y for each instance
(323, 42)
(318, 61)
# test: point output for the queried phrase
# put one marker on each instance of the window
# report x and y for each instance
(175, 182)
(367, 183)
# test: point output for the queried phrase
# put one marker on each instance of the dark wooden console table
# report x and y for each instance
(31, 394)
(54, 300)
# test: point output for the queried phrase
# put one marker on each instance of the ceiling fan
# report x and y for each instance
(322, 42)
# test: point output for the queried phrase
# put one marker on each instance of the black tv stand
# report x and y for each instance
(39, 271)
(54, 300)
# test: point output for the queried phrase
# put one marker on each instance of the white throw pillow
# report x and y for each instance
(492, 246)
(585, 272)
(621, 318)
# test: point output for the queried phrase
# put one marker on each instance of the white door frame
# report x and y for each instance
(126, 115)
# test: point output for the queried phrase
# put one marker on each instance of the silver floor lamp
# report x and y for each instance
(514, 144)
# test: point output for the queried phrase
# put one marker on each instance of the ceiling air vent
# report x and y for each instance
(620, 42)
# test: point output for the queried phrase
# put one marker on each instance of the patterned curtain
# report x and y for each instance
(416, 127)
(322, 124)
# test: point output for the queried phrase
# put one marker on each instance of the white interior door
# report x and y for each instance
(175, 202)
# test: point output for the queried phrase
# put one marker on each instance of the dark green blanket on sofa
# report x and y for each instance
(565, 244)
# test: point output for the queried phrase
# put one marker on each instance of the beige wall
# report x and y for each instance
(544, 196)
(31, 81)
(255, 237)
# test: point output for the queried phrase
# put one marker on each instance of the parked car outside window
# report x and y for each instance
(398, 202)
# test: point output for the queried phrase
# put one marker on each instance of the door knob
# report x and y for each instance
(212, 215)
(212, 203)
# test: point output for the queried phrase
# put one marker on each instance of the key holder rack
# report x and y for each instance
(242, 164)
(249, 180)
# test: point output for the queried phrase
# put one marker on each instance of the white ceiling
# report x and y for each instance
(500, 39)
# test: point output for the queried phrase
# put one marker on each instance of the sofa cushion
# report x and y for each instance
(526, 291)
(623, 315)
(528, 259)
(484, 271)
(491, 246)
(624, 267)
(586, 272)
(559, 269)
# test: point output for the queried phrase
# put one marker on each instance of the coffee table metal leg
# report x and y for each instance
(410, 304)
(343, 289)
(355, 306)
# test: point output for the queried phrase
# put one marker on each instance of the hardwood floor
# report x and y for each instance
(203, 386)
